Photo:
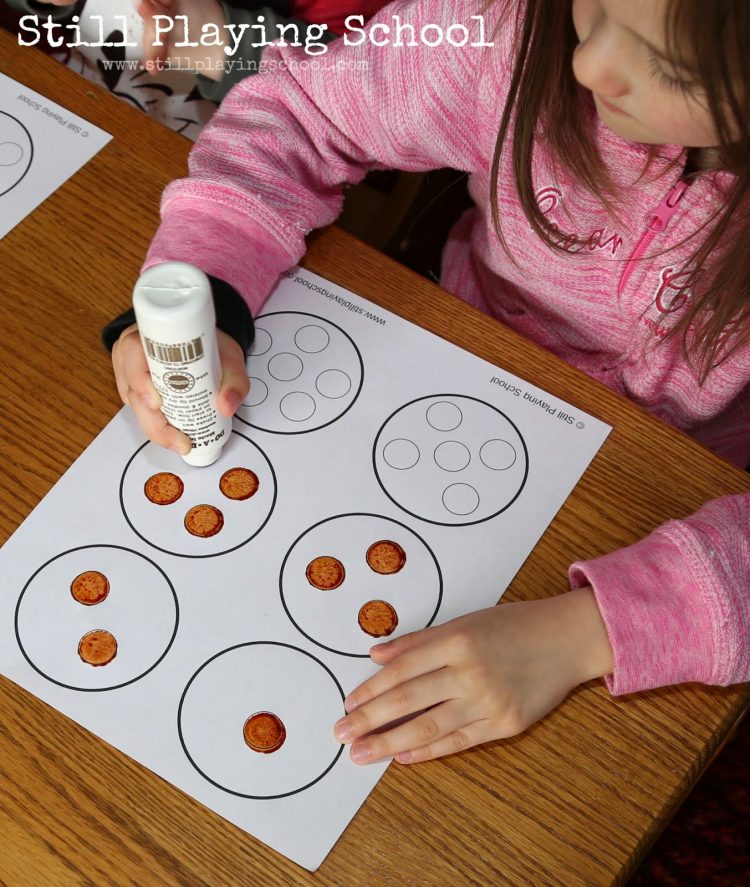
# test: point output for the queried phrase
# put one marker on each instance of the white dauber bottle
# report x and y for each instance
(175, 313)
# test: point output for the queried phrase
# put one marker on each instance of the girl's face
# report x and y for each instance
(638, 93)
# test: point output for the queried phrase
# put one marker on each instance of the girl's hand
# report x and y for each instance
(137, 390)
(488, 675)
(207, 59)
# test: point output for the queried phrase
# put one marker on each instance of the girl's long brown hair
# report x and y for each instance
(546, 101)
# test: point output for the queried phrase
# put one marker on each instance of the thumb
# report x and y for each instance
(147, 9)
(234, 381)
(153, 7)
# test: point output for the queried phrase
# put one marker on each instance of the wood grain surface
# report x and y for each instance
(578, 799)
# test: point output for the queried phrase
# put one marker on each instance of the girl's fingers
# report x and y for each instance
(156, 427)
(406, 699)
(137, 390)
(131, 370)
(234, 381)
(147, 9)
(458, 740)
(421, 659)
(426, 731)
(390, 650)
(140, 385)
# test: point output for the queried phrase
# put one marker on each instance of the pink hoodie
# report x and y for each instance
(272, 166)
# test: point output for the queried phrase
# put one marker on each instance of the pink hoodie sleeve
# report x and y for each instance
(273, 163)
(677, 604)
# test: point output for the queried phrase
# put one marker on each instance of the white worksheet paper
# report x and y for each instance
(41, 146)
(360, 428)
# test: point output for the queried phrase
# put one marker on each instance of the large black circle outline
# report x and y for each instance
(28, 165)
(116, 686)
(232, 791)
(354, 399)
(336, 517)
(442, 523)
(216, 553)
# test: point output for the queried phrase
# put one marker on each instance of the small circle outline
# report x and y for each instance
(259, 329)
(252, 379)
(444, 430)
(461, 484)
(408, 467)
(285, 354)
(305, 350)
(329, 396)
(304, 394)
(499, 439)
(451, 470)
(20, 157)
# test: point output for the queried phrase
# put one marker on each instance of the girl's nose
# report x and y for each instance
(597, 65)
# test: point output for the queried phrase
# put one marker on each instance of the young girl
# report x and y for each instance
(607, 144)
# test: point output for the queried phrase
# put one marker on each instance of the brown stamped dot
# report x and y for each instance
(163, 488)
(386, 557)
(264, 732)
(325, 572)
(97, 647)
(90, 587)
(239, 483)
(204, 521)
(377, 618)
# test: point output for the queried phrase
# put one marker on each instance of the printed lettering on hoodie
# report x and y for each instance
(548, 199)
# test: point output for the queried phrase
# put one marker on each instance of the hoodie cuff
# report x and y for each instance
(656, 614)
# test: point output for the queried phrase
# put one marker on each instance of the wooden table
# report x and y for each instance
(578, 799)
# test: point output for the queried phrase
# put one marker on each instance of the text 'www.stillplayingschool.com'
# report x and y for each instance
(178, 34)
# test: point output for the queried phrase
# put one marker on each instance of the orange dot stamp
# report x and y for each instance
(377, 618)
(204, 521)
(97, 647)
(163, 488)
(325, 572)
(90, 587)
(264, 732)
(239, 483)
(386, 557)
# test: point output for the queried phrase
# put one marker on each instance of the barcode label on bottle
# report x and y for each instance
(185, 352)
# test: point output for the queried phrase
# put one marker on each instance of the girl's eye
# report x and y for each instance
(668, 81)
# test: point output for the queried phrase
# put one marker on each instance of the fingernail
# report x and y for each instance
(233, 400)
(153, 401)
(180, 449)
(360, 754)
(404, 757)
(350, 703)
(342, 730)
